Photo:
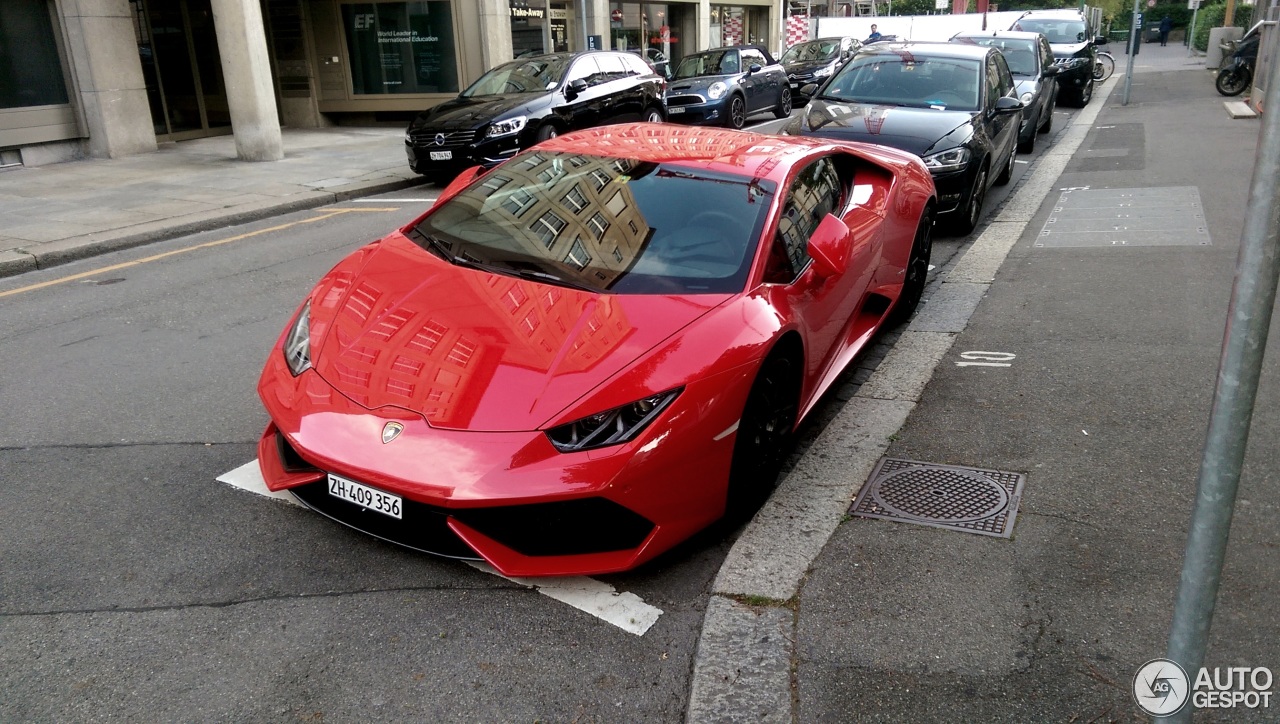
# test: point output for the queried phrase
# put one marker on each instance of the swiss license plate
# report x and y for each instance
(441, 155)
(365, 496)
(675, 110)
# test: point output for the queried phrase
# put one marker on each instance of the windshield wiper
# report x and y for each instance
(548, 278)
(435, 245)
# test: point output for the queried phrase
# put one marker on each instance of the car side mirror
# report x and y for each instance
(1049, 70)
(576, 88)
(809, 89)
(829, 247)
(754, 68)
(1100, 40)
(1007, 104)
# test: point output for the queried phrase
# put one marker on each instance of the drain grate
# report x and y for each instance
(1110, 218)
(972, 500)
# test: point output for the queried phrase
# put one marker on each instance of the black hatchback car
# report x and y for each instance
(953, 105)
(1072, 41)
(520, 103)
(814, 61)
(1034, 74)
(724, 86)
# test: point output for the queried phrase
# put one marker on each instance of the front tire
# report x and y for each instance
(736, 115)
(1231, 82)
(783, 109)
(653, 115)
(1085, 94)
(972, 212)
(546, 132)
(764, 435)
(1006, 173)
(917, 272)
(1046, 125)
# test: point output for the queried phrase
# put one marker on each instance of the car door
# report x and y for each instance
(1049, 83)
(823, 305)
(759, 96)
(587, 108)
(1001, 128)
(624, 99)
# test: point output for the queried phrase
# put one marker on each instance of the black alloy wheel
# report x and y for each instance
(1006, 173)
(1085, 94)
(764, 435)
(653, 115)
(784, 103)
(736, 117)
(917, 272)
(972, 213)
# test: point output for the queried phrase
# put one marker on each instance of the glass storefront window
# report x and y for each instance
(528, 27)
(737, 25)
(661, 33)
(30, 70)
(401, 47)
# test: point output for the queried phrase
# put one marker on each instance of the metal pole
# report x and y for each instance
(1135, 37)
(582, 7)
(1191, 34)
(1248, 319)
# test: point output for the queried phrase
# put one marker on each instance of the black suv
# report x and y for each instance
(520, 103)
(1072, 41)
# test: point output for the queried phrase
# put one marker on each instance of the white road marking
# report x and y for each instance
(625, 610)
(389, 200)
(249, 477)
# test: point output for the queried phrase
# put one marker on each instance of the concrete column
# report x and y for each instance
(704, 25)
(598, 21)
(102, 51)
(495, 32)
(246, 72)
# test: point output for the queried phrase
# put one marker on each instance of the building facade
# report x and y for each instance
(108, 78)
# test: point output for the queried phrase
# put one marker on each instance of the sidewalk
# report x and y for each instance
(57, 213)
(1107, 359)
(1104, 409)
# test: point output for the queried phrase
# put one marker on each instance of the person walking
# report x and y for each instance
(874, 36)
(1166, 24)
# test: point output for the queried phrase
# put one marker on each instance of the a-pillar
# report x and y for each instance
(103, 54)
(246, 71)
(495, 32)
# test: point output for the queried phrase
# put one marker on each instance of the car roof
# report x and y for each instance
(1014, 34)
(743, 152)
(1058, 14)
(927, 49)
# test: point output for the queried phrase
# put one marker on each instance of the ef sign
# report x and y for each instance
(364, 21)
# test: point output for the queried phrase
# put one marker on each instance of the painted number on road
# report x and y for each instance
(978, 358)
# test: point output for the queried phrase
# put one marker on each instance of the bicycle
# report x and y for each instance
(1104, 66)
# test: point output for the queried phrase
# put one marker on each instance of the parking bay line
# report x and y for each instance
(623, 609)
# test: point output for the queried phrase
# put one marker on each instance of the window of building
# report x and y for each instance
(578, 257)
(574, 200)
(598, 225)
(493, 183)
(548, 227)
(30, 69)
(518, 201)
(401, 47)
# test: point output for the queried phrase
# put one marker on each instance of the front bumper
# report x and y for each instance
(1075, 78)
(953, 189)
(457, 150)
(507, 497)
(696, 110)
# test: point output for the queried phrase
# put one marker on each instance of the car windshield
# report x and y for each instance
(534, 75)
(908, 79)
(604, 224)
(1057, 31)
(812, 51)
(1020, 54)
(712, 62)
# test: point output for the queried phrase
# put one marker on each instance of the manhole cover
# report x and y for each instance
(944, 496)
(1112, 218)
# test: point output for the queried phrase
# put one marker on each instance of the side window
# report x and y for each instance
(751, 55)
(636, 65)
(729, 63)
(815, 193)
(1006, 78)
(993, 82)
(585, 69)
(611, 67)
(1046, 53)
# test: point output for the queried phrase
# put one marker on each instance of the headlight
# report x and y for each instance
(408, 137)
(823, 72)
(1075, 62)
(297, 344)
(1026, 97)
(952, 160)
(507, 127)
(611, 427)
(715, 90)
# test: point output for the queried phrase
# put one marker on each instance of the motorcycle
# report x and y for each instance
(1237, 74)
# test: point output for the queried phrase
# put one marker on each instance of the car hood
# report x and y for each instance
(1067, 50)
(470, 350)
(474, 112)
(807, 66)
(1026, 85)
(916, 130)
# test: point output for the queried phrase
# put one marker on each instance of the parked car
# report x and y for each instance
(814, 61)
(520, 103)
(576, 360)
(656, 60)
(725, 86)
(1034, 75)
(953, 105)
(1072, 40)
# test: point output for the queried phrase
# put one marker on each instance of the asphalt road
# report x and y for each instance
(135, 586)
